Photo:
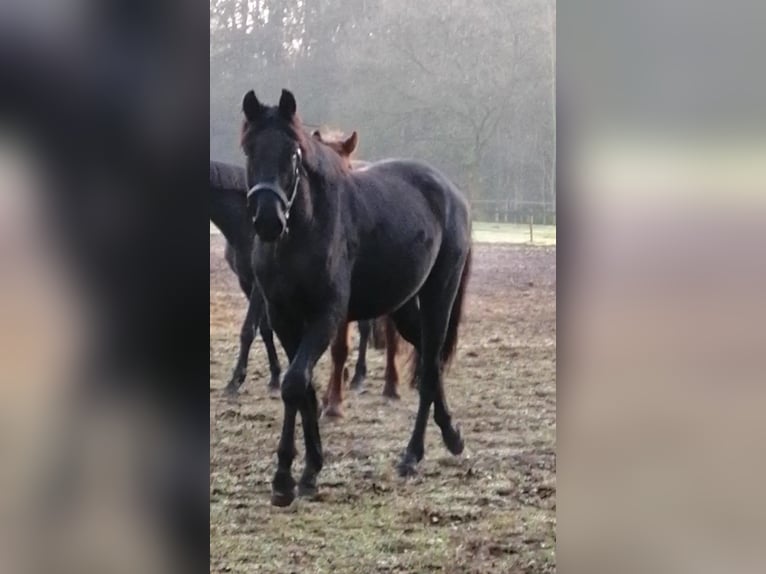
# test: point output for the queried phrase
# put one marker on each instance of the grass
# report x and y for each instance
(486, 232)
(492, 509)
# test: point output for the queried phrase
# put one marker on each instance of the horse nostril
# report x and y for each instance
(268, 228)
(269, 232)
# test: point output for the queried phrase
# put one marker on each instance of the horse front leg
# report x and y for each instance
(283, 484)
(271, 350)
(298, 393)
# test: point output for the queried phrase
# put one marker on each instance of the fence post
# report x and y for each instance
(531, 233)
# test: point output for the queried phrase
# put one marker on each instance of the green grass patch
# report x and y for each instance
(486, 232)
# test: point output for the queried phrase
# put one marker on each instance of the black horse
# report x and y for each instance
(332, 244)
(228, 212)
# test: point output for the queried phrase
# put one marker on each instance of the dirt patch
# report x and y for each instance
(490, 510)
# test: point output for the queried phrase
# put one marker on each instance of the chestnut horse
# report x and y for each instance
(333, 397)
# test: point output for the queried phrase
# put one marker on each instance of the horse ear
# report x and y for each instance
(251, 106)
(350, 144)
(287, 105)
(317, 135)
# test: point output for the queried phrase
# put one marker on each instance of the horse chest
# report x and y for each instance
(297, 282)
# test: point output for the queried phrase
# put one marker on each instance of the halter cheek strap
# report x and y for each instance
(275, 189)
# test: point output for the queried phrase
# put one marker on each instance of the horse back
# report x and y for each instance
(400, 215)
(393, 199)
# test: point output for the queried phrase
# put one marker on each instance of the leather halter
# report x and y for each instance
(276, 189)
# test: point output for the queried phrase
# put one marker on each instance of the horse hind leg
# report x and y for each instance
(444, 299)
(333, 398)
(378, 335)
(390, 388)
(246, 337)
(406, 322)
(360, 373)
(436, 302)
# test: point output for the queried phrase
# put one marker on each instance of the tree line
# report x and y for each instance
(465, 86)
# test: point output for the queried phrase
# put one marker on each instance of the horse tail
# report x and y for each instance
(450, 342)
(378, 333)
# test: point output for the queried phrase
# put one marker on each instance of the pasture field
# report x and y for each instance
(486, 232)
(493, 509)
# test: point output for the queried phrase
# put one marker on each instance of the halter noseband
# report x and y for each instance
(275, 189)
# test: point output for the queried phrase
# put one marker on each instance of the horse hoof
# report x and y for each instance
(333, 411)
(408, 465)
(406, 469)
(455, 442)
(282, 499)
(356, 384)
(307, 490)
(391, 394)
(274, 384)
(274, 391)
(231, 390)
(282, 488)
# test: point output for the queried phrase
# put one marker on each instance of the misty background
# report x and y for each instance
(466, 87)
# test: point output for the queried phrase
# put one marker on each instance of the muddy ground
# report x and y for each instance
(490, 510)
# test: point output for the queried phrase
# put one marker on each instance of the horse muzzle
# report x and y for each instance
(269, 221)
(268, 208)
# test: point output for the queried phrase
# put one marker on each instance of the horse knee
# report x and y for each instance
(247, 334)
(294, 387)
(426, 392)
(286, 453)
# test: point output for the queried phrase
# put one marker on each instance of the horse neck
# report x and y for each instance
(320, 206)
(317, 204)
(228, 212)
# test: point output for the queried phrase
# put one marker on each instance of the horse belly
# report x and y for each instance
(379, 289)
